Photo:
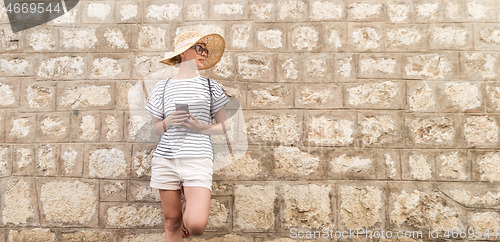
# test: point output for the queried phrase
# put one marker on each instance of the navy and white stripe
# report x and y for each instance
(177, 141)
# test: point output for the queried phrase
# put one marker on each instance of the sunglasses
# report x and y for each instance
(200, 49)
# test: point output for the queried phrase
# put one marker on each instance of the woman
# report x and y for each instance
(182, 161)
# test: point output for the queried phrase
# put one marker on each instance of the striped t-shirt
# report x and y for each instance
(177, 141)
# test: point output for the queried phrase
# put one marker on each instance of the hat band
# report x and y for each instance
(185, 42)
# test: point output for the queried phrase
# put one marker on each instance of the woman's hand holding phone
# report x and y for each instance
(177, 118)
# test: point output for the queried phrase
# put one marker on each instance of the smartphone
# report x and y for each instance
(182, 107)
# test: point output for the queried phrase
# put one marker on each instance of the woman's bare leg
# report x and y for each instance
(195, 216)
(172, 214)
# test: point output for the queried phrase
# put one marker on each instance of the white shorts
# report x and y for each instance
(168, 174)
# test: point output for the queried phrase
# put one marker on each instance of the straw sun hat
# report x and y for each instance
(214, 43)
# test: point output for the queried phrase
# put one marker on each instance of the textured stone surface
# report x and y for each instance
(432, 66)
(36, 234)
(325, 130)
(432, 130)
(87, 235)
(69, 202)
(361, 207)
(374, 94)
(254, 207)
(107, 162)
(19, 208)
(481, 130)
(291, 160)
(463, 96)
(127, 216)
(283, 128)
(62, 67)
(85, 96)
(307, 206)
(379, 129)
(487, 166)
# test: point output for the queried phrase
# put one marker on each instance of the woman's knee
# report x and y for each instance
(172, 222)
(196, 227)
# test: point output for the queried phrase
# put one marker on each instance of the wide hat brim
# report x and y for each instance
(214, 43)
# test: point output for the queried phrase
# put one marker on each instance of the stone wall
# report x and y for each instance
(381, 115)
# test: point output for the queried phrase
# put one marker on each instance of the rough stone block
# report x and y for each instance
(24, 160)
(125, 215)
(195, 10)
(435, 66)
(361, 205)
(112, 126)
(57, 67)
(254, 207)
(149, 66)
(98, 12)
(17, 65)
(427, 11)
(365, 37)
(292, 10)
(304, 37)
(451, 36)
(460, 97)
(68, 202)
(307, 206)
(207, 28)
(131, 95)
(116, 39)
(327, 10)
(71, 160)
(388, 164)
(10, 42)
(20, 127)
(400, 11)
(270, 37)
(291, 162)
(151, 38)
(85, 126)
(255, 67)
(317, 68)
(454, 11)
(365, 10)
(107, 161)
(228, 9)
(472, 195)
(287, 67)
(112, 190)
(379, 66)
(335, 37)
(262, 10)
(225, 68)
(240, 165)
(87, 235)
(481, 130)
(71, 18)
(40, 40)
(36, 234)
(139, 127)
(242, 35)
(318, 96)
(140, 191)
(480, 11)
(330, 128)
(453, 165)
(432, 130)
(19, 202)
(479, 65)
(380, 129)
(138, 237)
(9, 93)
(486, 37)
(85, 95)
(351, 163)
(53, 127)
(486, 223)
(47, 159)
(79, 39)
(485, 165)
(270, 96)
(162, 11)
(374, 95)
(492, 97)
(37, 96)
(220, 215)
(110, 67)
(226, 238)
(141, 160)
(6, 160)
(422, 96)
(418, 206)
(276, 127)
(345, 67)
(128, 12)
(418, 165)
(406, 37)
